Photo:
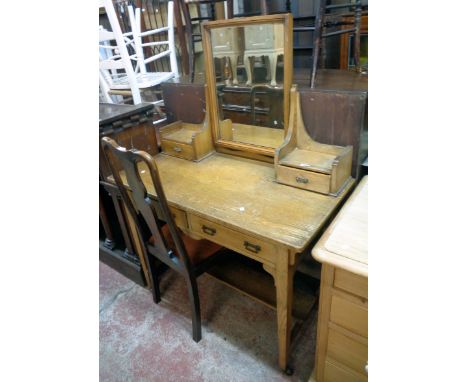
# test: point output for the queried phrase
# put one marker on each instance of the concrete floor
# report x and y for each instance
(142, 342)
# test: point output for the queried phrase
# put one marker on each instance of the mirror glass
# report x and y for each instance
(248, 64)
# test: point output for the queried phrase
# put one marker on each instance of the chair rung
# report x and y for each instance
(304, 47)
(155, 43)
(200, 18)
(303, 29)
(120, 92)
(157, 56)
(154, 31)
(336, 33)
(338, 6)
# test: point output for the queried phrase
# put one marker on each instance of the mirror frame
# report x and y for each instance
(286, 20)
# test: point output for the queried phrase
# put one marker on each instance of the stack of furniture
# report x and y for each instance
(124, 56)
(264, 192)
(193, 23)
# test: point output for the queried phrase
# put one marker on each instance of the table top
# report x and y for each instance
(242, 194)
(110, 112)
(344, 243)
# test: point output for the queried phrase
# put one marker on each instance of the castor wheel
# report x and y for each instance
(289, 370)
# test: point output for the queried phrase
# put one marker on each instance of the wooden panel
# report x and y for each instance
(307, 180)
(349, 315)
(337, 118)
(338, 373)
(177, 149)
(350, 282)
(239, 242)
(184, 101)
(347, 351)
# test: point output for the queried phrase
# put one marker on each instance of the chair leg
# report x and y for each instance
(357, 35)
(154, 279)
(317, 41)
(192, 62)
(192, 288)
(190, 38)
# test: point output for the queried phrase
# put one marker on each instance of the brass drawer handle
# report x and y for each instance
(208, 230)
(252, 247)
(177, 149)
(300, 179)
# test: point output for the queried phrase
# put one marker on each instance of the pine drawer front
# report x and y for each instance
(239, 242)
(180, 217)
(350, 282)
(307, 180)
(347, 351)
(349, 315)
(335, 372)
(176, 149)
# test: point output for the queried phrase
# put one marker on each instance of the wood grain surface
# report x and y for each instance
(242, 194)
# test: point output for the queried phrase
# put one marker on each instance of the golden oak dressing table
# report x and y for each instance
(235, 200)
(236, 203)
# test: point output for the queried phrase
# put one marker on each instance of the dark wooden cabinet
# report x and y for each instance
(131, 126)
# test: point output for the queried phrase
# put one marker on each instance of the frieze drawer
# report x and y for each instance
(239, 242)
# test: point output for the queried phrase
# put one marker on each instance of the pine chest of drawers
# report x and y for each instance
(341, 350)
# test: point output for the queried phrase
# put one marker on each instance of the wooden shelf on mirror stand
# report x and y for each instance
(188, 140)
(304, 163)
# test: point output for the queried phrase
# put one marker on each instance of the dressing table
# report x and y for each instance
(232, 197)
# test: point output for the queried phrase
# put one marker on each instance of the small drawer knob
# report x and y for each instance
(252, 247)
(208, 230)
(177, 149)
(300, 179)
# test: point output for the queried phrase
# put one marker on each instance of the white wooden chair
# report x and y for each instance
(138, 35)
(134, 77)
(115, 68)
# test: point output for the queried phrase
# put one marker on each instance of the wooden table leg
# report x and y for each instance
(284, 299)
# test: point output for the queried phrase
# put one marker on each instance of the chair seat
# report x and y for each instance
(197, 250)
(144, 80)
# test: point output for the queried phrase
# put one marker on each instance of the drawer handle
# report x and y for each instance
(252, 247)
(177, 149)
(300, 179)
(208, 230)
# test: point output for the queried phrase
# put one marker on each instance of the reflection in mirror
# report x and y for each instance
(248, 66)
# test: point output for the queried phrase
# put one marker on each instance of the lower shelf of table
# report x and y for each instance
(248, 277)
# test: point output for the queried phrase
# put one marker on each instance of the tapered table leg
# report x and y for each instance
(284, 299)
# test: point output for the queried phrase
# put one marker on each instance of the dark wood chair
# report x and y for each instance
(193, 32)
(329, 21)
(155, 224)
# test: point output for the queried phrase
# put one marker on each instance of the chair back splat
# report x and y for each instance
(143, 208)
